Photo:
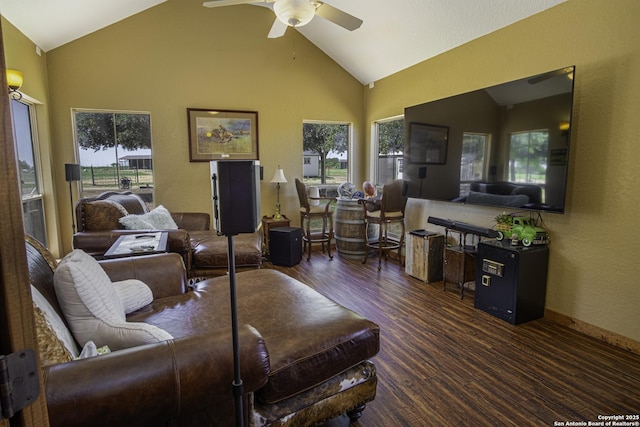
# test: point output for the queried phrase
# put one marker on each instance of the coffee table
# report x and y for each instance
(138, 244)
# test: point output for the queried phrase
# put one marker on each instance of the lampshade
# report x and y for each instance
(14, 79)
(278, 176)
(295, 13)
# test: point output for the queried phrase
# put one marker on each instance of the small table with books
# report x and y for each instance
(138, 244)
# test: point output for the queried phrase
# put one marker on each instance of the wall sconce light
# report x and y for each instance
(564, 126)
(278, 177)
(14, 81)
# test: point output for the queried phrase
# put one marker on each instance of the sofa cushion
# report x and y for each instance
(310, 337)
(211, 250)
(158, 219)
(103, 215)
(134, 294)
(135, 222)
(93, 308)
(55, 342)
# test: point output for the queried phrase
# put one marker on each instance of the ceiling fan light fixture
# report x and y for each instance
(295, 13)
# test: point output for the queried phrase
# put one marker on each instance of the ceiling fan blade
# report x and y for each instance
(277, 29)
(220, 3)
(337, 16)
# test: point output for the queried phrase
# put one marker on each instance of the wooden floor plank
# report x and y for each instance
(444, 363)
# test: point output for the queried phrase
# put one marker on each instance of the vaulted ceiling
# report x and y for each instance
(396, 34)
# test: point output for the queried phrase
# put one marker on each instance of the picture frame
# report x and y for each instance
(222, 135)
(428, 144)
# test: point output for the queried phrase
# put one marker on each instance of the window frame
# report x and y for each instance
(39, 197)
(74, 111)
(349, 177)
(374, 175)
(529, 132)
(464, 184)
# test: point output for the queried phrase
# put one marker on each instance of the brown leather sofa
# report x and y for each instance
(303, 357)
(204, 253)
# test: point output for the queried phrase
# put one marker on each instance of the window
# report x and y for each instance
(326, 153)
(389, 138)
(115, 152)
(23, 115)
(473, 163)
(528, 156)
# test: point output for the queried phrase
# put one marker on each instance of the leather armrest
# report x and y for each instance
(192, 221)
(165, 274)
(150, 384)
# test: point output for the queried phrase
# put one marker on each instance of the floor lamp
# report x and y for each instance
(72, 174)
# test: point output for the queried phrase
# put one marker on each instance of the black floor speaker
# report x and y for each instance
(285, 246)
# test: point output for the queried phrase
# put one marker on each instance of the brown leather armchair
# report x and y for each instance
(99, 227)
(297, 368)
(203, 251)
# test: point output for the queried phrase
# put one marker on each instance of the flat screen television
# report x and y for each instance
(505, 145)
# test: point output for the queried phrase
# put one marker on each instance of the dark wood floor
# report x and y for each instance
(444, 363)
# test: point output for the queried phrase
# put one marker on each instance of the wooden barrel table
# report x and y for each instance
(349, 229)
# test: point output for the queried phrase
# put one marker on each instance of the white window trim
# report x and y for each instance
(375, 145)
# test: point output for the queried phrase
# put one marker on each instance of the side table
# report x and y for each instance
(269, 222)
(423, 255)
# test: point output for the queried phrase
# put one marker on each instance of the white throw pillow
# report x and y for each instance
(55, 322)
(134, 294)
(158, 219)
(135, 222)
(93, 308)
(161, 218)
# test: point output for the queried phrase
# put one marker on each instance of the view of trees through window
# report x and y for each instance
(115, 152)
(528, 153)
(390, 150)
(326, 153)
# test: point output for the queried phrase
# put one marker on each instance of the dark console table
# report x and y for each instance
(459, 261)
(511, 281)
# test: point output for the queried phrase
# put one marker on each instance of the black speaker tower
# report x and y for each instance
(236, 196)
(236, 209)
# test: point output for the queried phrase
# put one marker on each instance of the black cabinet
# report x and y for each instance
(511, 281)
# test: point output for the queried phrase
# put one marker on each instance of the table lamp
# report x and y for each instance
(278, 177)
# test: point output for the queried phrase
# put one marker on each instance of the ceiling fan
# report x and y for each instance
(296, 13)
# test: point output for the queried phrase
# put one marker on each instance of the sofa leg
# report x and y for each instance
(356, 412)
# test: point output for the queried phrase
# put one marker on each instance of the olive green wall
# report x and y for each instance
(594, 274)
(180, 55)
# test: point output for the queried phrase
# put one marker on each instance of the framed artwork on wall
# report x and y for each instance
(428, 144)
(222, 135)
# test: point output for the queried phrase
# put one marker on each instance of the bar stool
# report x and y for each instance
(391, 211)
(309, 212)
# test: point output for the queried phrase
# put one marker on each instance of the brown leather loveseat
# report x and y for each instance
(204, 253)
(304, 358)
